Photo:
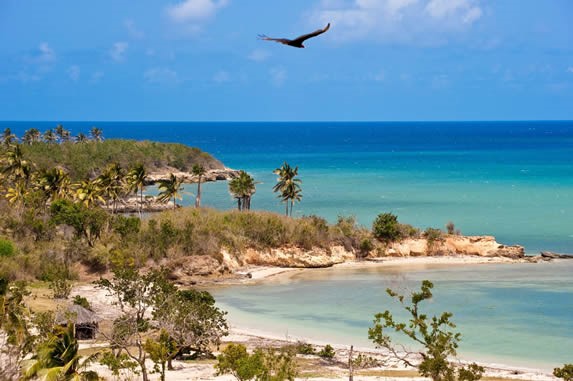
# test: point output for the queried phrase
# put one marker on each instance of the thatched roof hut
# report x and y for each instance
(85, 321)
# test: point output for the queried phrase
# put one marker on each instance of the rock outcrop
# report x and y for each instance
(211, 175)
(297, 257)
(485, 246)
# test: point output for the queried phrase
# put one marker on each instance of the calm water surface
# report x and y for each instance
(517, 314)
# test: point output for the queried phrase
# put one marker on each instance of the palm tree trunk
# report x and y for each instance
(239, 203)
(286, 212)
(140, 202)
(291, 204)
(198, 198)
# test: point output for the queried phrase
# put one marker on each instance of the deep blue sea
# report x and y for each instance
(513, 180)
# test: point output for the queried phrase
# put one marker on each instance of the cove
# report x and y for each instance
(512, 314)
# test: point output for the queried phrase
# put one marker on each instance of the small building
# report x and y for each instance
(85, 321)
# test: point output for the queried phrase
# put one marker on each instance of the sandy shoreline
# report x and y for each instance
(336, 370)
(258, 274)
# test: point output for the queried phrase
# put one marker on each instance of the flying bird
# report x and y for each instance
(297, 42)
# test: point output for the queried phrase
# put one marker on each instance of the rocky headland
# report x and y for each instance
(451, 249)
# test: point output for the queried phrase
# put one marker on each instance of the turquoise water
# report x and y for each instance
(516, 314)
(513, 180)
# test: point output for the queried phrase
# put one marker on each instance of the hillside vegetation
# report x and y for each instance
(85, 159)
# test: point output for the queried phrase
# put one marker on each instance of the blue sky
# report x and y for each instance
(200, 60)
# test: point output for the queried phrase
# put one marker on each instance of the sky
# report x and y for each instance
(200, 60)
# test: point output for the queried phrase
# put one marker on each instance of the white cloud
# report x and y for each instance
(278, 76)
(397, 21)
(379, 76)
(194, 10)
(117, 53)
(132, 29)
(221, 76)
(161, 76)
(46, 54)
(74, 73)
(570, 69)
(259, 55)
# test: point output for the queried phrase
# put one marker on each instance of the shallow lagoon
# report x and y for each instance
(514, 314)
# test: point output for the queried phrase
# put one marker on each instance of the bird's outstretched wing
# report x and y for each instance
(301, 39)
(280, 40)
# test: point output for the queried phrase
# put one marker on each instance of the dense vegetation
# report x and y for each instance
(83, 160)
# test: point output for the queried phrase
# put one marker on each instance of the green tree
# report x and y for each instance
(81, 138)
(243, 187)
(112, 184)
(57, 358)
(170, 188)
(288, 186)
(386, 227)
(8, 138)
(191, 319)
(136, 181)
(434, 335)
(16, 342)
(160, 351)
(566, 372)
(54, 183)
(96, 134)
(235, 360)
(31, 136)
(87, 222)
(63, 134)
(89, 192)
(199, 171)
(50, 137)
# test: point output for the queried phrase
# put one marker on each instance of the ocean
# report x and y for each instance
(512, 180)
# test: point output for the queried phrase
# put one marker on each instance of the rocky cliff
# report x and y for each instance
(185, 270)
(485, 246)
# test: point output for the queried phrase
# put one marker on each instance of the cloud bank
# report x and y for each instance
(194, 10)
(397, 21)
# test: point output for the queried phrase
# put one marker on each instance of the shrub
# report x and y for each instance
(366, 246)
(6, 248)
(61, 288)
(83, 302)
(304, 348)
(566, 373)
(450, 228)
(327, 352)
(386, 227)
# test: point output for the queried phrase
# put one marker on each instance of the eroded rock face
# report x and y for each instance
(485, 246)
(297, 257)
(210, 175)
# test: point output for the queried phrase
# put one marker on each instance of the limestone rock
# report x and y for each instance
(485, 246)
(297, 257)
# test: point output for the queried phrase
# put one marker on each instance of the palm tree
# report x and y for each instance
(89, 192)
(198, 170)
(170, 189)
(31, 136)
(111, 182)
(63, 134)
(50, 137)
(136, 180)
(96, 134)
(8, 138)
(54, 183)
(81, 138)
(14, 164)
(57, 359)
(243, 188)
(288, 185)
